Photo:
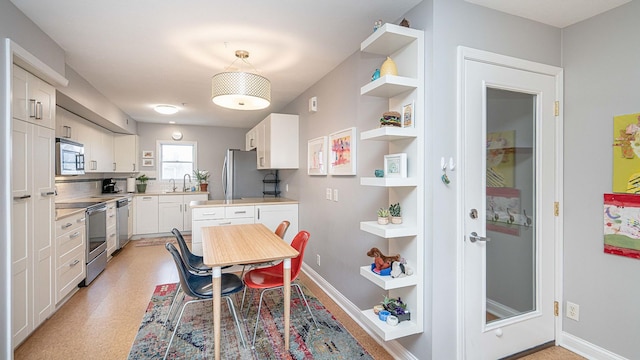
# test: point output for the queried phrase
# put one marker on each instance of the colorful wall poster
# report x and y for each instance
(500, 158)
(622, 225)
(626, 154)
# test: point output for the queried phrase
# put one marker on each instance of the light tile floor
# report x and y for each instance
(101, 321)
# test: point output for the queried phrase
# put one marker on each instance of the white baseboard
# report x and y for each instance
(393, 347)
(585, 348)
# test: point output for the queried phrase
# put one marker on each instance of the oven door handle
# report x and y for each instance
(96, 210)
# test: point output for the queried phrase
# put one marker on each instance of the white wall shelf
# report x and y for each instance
(389, 231)
(389, 133)
(387, 282)
(405, 47)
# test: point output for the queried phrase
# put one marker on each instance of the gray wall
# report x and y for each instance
(212, 145)
(602, 73)
(16, 26)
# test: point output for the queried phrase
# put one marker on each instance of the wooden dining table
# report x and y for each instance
(244, 244)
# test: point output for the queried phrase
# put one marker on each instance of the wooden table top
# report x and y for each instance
(242, 244)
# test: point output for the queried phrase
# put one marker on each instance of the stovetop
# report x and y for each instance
(83, 203)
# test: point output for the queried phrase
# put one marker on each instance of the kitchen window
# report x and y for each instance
(176, 160)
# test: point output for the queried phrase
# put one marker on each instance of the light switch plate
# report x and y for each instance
(328, 194)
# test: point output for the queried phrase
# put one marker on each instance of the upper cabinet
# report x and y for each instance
(276, 141)
(405, 47)
(33, 99)
(125, 152)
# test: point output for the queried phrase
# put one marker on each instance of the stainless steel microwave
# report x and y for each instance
(69, 157)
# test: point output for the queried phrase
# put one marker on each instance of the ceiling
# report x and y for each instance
(147, 52)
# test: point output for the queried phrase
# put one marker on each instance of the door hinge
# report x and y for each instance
(556, 308)
(556, 108)
(556, 208)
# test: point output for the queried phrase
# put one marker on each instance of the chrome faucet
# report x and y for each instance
(174, 185)
(184, 184)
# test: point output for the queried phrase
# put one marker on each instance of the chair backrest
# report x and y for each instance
(299, 243)
(187, 255)
(183, 272)
(282, 228)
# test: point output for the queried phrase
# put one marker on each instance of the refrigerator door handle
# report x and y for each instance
(224, 176)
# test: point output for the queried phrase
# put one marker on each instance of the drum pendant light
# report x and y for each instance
(240, 90)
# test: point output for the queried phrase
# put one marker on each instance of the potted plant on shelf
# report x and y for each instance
(202, 176)
(141, 186)
(397, 308)
(383, 216)
(396, 213)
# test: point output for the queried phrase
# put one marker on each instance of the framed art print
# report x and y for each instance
(147, 162)
(343, 152)
(317, 156)
(395, 165)
(147, 154)
(408, 115)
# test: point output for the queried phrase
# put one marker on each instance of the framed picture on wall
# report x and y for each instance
(147, 162)
(343, 152)
(317, 156)
(408, 115)
(147, 154)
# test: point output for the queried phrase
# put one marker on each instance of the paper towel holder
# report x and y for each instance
(131, 185)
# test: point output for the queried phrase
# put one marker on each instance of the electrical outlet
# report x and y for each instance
(335, 194)
(573, 311)
(328, 194)
(318, 259)
(286, 187)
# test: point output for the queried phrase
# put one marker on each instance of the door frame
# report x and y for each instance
(464, 54)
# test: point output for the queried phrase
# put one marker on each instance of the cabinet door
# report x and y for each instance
(272, 215)
(170, 213)
(42, 102)
(19, 94)
(187, 216)
(125, 152)
(105, 154)
(21, 231)
(146, 215)
(261, 146)
(43, 218)
(250, 140)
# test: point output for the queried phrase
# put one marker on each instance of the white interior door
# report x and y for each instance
(508, 189)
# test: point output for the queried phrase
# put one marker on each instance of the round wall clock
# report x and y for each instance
(177, 135)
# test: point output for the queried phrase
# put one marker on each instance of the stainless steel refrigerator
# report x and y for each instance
(240, 175)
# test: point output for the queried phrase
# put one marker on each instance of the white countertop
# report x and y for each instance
(244, 201)
(169, 193)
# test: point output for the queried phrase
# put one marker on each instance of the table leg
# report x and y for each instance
(287, 299)
(216, 283)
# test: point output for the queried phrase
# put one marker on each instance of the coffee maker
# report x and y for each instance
(108, 186)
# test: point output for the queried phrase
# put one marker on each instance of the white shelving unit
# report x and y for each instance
(406, 47)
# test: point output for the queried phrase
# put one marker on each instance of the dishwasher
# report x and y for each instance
(123, 214)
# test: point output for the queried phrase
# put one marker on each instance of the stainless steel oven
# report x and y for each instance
(96, 241)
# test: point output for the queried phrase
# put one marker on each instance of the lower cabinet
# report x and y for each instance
(146, 214)
(69, 255)
(272, 215)
(217, 216)
(174, 211)
(112, 228)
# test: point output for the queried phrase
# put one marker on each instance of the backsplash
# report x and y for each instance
(80, 188)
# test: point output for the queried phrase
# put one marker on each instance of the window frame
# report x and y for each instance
(160, 143)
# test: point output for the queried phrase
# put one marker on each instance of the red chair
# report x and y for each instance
(271, 278)
(281, 230)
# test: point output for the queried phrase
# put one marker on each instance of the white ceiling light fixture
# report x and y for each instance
(240, 90)
(166, 109)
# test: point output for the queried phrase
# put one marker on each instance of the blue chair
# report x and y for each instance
(194, 263)
(199, 288)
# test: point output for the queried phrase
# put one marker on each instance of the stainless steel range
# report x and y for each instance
(96, 235)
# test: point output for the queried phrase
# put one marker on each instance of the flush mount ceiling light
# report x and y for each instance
(166, 109)
(240, 90)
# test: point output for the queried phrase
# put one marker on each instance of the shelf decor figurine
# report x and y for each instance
(383, 216)
(141, 186)
(396, 213)
(381, 262)
(388, 67)
(202, 176)
(391, 118)
(397, 308)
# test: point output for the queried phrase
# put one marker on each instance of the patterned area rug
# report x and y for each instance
(194, 339)
(161, 241)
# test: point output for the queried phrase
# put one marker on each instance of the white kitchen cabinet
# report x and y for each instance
(217, 216)
(112, 228)
(175, 212)
(406, 47)
(146, 214)
(277, 142)
(250, 140)
(272, 215)
(32, 226)
(125, 152)
(67, 125)
(33, 100)
(98, 148)
(70, 255)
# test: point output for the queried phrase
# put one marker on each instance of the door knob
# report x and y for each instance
(473, 237)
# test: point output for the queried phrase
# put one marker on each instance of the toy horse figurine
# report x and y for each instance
(380, 260)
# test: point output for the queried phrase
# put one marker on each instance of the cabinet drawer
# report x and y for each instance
(210, 213)
(70, 273)
(233, 212)
(69, 223)
(69, 242)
